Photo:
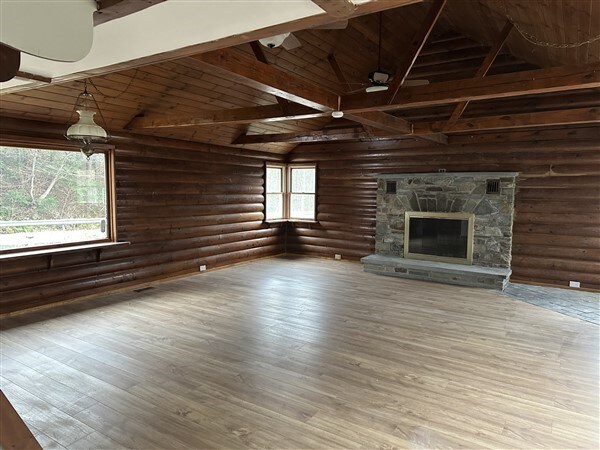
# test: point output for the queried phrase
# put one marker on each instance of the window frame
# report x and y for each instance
(289, 192)
(282, 170)
(286, 173)
(111, 221)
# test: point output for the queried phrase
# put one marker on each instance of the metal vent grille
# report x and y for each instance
(390, 187)
(492, 187)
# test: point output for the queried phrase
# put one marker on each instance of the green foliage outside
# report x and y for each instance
(50, 184)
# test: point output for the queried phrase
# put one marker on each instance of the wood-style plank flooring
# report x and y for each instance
(303, 353)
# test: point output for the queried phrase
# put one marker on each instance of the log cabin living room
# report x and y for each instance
(299, 224)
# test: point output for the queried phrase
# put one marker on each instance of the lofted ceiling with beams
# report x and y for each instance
(459, 42)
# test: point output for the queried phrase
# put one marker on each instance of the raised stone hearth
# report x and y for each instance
(487, 197)
(461, 274)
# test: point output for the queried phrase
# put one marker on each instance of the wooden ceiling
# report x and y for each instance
(198, 87)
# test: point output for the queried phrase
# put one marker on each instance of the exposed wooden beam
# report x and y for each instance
(559, 79)
(482, 71)
(541, 81)
(33, 76)
(409, 58)
(255, 114)
(536, 119)
(430, 130)
(260, 56)
(336, 8)
(337, 134)
(382, 121)
(338, 72)
(235, 64)
(115, 9)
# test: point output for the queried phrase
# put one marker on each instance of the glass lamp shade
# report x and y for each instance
(86, 130)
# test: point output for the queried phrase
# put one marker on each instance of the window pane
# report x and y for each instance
(50, 197)
(274, 179)
(302, 206)
(274, 206)
(303, 180)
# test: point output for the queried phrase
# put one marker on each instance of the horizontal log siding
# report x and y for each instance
(557, 223)
(178, 208)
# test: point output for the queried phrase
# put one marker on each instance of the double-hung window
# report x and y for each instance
(290, 192)
(54, 198)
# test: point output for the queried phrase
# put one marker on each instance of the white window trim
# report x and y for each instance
(286, 174)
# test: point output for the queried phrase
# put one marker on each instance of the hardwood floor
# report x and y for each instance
(303, 353)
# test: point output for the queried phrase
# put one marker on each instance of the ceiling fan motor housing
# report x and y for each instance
(379, 78)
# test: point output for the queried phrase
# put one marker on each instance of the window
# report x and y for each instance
(275, 193)
(52, 198)
(290, 192)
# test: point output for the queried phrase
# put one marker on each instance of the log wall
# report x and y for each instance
(179, 209)
(556, 234)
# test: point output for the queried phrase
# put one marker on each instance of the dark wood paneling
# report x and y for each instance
(178, 208)
(556, 229)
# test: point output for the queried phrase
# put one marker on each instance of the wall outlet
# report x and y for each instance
(574, 284)
(202, 268)
(442, 170)
(338, 256)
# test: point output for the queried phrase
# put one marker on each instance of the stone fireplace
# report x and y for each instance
(448, 227)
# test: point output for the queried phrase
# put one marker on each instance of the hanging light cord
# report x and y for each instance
(120, 93)
(534, 40)
(379, 50)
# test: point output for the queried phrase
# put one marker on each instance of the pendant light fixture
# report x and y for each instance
(86, 131)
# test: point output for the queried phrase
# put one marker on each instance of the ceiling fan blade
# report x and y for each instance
(340, 25)
(291, 42)
(57, 30)
(412, 83)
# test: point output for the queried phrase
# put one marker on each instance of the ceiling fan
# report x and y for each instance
(31, 27)
(289, 41)
(379, 80)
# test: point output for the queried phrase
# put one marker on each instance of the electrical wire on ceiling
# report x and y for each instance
(120, 93)
(534, 40)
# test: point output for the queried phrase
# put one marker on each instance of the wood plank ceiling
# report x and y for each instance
(188, 87)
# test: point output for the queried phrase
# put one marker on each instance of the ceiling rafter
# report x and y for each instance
(459, 109)
(235, 64)
(415, 47)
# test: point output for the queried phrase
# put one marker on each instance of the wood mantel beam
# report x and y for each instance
(235, 64)
(411, 54)
(482, 71)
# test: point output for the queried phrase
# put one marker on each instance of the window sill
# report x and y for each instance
(292, 220)
(53, 251)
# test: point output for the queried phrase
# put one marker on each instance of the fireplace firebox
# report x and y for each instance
(446, 237)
